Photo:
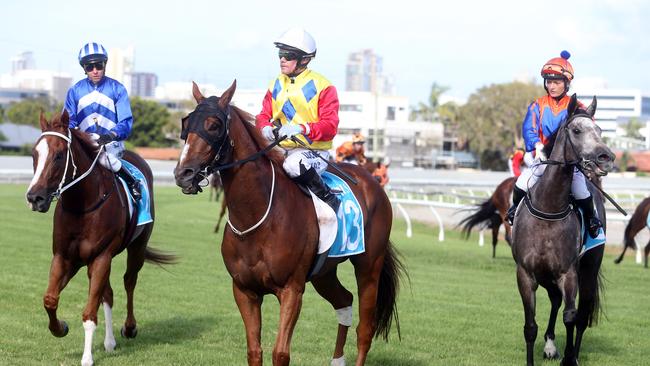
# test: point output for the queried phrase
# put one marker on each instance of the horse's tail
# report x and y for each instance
(387, 291)
(159, 257)
(591, 286)
(485, 212)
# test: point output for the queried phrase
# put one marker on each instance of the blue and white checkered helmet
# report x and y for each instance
(92, 52)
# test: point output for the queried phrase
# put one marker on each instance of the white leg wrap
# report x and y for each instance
(338, 361)
(89, 330)
(549, 348)
(109, 338)
(345, 316)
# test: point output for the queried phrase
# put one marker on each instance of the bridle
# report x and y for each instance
(209, 107)
(70, 158)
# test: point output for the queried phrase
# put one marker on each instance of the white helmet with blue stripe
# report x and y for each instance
(92, 52)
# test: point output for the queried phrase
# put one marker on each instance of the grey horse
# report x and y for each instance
(546, 242)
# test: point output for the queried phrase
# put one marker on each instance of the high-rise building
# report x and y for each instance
(23, 61)
(364, 72)
(121, 63)
(143, 84)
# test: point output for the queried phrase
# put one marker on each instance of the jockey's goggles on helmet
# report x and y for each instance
(288, 55)
(95, 65)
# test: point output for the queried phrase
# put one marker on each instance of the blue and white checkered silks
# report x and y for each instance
(350, 234)
(144, 204)
(92, 48)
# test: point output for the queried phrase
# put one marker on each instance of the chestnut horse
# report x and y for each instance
(492, 213)
(276, 246)
(637, 223)
(378, 170)
(91, 226)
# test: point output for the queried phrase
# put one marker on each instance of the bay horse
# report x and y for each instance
(546, 233)
(91, 226)
(637, 223)
(275, 252)
(492, 213)
(215, 186)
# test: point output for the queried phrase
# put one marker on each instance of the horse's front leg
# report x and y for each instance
(98, 274)
(249, 305)
(290, 305)
(569, 286)
(107, 301)
(61, 271)
(550, 350)
(527, 287)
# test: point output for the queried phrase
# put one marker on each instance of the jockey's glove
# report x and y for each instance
(290, 130)
(106, 138)
(267, 132)
(539, 151)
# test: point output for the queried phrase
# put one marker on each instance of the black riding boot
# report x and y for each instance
(517, 195)
(131, 182)
(314, 183)
(591, 219)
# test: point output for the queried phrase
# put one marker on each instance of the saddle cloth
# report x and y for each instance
(587, 242)
(144, 204)
(341, 233)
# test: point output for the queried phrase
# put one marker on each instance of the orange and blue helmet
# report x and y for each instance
(558, 67)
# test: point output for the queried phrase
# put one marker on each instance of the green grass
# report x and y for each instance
(461, 307)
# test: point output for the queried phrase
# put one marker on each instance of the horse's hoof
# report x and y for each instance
(64, 332)
(566, 362)
(129, 333)
(552, 356)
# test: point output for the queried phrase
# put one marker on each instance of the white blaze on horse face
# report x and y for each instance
(42, 149)
(186, 148)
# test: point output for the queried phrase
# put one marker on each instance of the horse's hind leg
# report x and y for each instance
(527, 287)
(134, 262)
(331, 289)
(250, 305)
(495, 237)
(107, 301)
(61, 271)
(550, 350)
(647, 251)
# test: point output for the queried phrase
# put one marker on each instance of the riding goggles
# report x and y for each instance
(95, 65)
(288, 55)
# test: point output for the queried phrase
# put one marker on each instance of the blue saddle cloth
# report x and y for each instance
(587, 241)
(350, 234)
(647, 220)
(144, 204)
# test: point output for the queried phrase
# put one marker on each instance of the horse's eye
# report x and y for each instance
(58, 156)
(212, 127)
(576, 131)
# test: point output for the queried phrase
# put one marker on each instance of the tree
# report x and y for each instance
(428, 111)
(491, 120)
(632, 128)
(28, 111)
(149, 120)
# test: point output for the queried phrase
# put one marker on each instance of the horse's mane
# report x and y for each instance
(274, 155)
(548, 147)
(89, 146)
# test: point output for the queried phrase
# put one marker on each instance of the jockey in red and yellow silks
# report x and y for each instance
(306, 106)
(516, 160)
(308, 100)
(545, 115)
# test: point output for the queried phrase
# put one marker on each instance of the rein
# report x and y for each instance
(580, 164)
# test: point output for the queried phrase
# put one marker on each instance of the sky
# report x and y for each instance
(463, 45)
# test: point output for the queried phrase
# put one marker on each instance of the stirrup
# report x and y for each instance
(594, 227)
(510, 216)
(135, 191)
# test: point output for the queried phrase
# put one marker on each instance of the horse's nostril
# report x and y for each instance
(187, 173)
(604, 158)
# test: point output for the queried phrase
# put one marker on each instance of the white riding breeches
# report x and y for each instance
(110, 158)
(306, 158)
(529, 177)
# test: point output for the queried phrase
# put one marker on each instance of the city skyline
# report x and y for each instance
(463, 45)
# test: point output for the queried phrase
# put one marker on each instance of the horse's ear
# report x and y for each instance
(591, 110)
(226, 97)
(43, 121)
(65, 119)
(196, 93)
(573, 104)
